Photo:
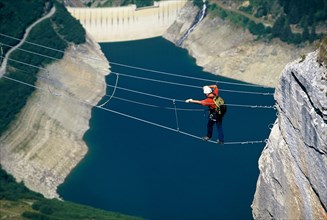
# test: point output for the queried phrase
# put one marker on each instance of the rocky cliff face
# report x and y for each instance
(45, 142)
(226, 50)
(293, 166)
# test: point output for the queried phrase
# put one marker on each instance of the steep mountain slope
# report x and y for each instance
(293, 166)
(46, 140)
(225, 49)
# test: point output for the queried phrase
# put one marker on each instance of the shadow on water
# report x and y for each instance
(143, 170)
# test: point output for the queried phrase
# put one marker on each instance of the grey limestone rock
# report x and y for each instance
(293, 166)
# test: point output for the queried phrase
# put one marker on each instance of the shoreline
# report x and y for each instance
(45, 142)
(229, 51)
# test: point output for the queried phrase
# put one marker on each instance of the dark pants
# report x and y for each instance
(218, 120)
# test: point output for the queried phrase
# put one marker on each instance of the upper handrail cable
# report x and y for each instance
(166, 82)
(134, 67)
(144, 93)
(133, 117)
(187, 85)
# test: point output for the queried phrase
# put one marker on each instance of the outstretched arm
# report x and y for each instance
(214, 90)
(192, 101)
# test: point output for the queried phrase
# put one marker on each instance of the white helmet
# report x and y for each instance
(207, 90)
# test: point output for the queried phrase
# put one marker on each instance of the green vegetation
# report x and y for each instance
(215, 11)
(56, 32)
(14, 18)
(67, 26)
(292, 21)
(55, 209)
(25, 204)
(139, 3)
(198, 3)
(10, 190)
(238, 19)
(263, 8)
(322, 56)
(116, 3)
(304, 12)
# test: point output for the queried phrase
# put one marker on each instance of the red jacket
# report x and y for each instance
(209, 100)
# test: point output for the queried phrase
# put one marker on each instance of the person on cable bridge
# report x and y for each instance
(213, 117)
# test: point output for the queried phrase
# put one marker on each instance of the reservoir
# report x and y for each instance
(141, 169)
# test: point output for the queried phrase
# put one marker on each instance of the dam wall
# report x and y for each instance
(128, 22)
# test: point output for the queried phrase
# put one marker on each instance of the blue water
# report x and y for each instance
(143, 170)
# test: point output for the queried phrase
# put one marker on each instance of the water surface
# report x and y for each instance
(143, 170)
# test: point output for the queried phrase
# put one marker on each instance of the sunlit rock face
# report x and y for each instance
(293, 166)
(45, 142)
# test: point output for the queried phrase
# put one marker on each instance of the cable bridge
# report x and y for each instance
(126, 23)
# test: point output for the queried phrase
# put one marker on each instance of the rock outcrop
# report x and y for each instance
(46, 142)
(224, 49)
(293, 166)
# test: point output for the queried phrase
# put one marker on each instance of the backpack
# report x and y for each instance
(221, 108)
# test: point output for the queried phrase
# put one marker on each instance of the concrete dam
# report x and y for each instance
(128, 22)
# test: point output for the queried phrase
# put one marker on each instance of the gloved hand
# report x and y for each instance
(188, 100)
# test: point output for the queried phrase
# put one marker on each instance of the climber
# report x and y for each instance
(216, 112)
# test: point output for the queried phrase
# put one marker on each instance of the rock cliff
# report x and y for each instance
(293, 166)
(46, 142)
(221, 48)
